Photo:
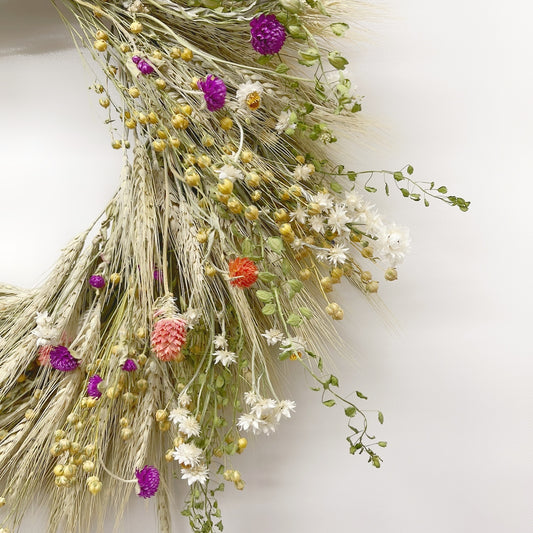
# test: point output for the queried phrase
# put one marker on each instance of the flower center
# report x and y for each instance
(253, 100)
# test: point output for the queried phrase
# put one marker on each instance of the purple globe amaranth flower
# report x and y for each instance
(214, 90)
(148, 480)
(129, 366)
(92, 386)
(268, 34)
(98, 282)
(61, 359)
(143, 65)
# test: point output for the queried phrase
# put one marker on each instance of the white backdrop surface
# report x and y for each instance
(451, 86)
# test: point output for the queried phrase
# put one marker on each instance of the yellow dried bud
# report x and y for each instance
(59, 434)
(180, 122)
(251, 213)
(175, 142)
(189, 160)
(228, 475)
(89, 449)
(202, 236)
(391, 274)
(62, 481)
(300, 159)
(218, 452)
(268, 176)
(229, 149)
(70, 471)
(156, 54)
(208, 141)
(204, 161)
(226, 123)
(2, 502)
(98, 12)
(153, 118)
(124, 48)
(136, 27)
(142, 385)
(236, 476)
(104, 102)
(286, 230)
(281, 216)
(115, 278)
(327, 284)
(58, 469)
(296, 190)
(239, 485)
(253, 180)
(223, 198)
(126, 433)
(124, 422)
(247, 156)
(75, 447)
(186, 109)
(367, 252)
(373, 286)
(225, 186)
(116, 144)
(88, 467)
(95, 487)
(242, 443)
(336, 274)
(131, 124)
(160, 83)
(192, 179)
(186, 54)
(305, 274)
(256, 196)
(142, 118)
(164, 426)
(168, 456)
(366, 276)
(194, 83)
(159, 145)
(210, 271)
(162, 134)
(101, 35)
(142, 359)
(161, 415)
(100, 45)
(29, 414)
(175, 53)
(37, 393)
(313, 209)
(234, 205)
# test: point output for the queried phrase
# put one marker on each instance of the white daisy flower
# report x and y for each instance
(324, 200)
(45, 331)
(392, 244)
(184, 400)
(297, 244)
(299, 214)
(187, 454)
(189, 426)
(338, 254)
(198, 473)
(337, 219)
(251, 397)
(230, 172)
(191, 317)
(272, 336)
(249, 95)
(224, 357)
(284, 121)
(302, 172)
(317, 223)
(178, 415)
(285, 407)
(220, 342)
(293, 345)
(263, 407)
(354, 200)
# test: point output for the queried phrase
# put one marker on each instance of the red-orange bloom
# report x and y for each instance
(242, 272)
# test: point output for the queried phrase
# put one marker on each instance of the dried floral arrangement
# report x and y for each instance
(149, 352)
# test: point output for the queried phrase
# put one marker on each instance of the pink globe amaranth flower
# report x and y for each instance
(92, 386)
(129, 366)
(214, 90)
(98, 282)
(61, 359)
(148, 480)
(143, 65)
(168, 337)
(268, 34)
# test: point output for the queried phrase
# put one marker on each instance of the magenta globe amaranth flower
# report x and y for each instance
(214, 90)
(129, 366)
(148, 480)
(61, 359)
(98, 282)
(268, 34)
(143, 65)
(92, 386)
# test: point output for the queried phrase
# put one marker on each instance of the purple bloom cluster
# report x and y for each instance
(98, 282)
(92, 386)
(61, 359)
(268, 34)
(143, 65)
(214, 90)
(129, 366)
(148, 480)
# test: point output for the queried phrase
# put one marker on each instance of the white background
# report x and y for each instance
(450, 84)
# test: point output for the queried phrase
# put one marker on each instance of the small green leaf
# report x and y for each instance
(329, 403)
(219, 382)
(382, 443)
(380, 417)
(306, 312)
(350, 411)
(275, 244)
(398, 176)
(410, 170)
(361, 395)
(339, 28)
(443, 189)
(294, 320)
(267, 277)
(247, 247)
(405, 192)
(335, 187)
(334, 380)
(296, 285)
(282, 68)
(265, 296)
(337, 61)
(370, 189)
(269, 309)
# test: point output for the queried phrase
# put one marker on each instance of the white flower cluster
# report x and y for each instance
(265, 413)
(222, 355)
(45, 331)
(189, 456)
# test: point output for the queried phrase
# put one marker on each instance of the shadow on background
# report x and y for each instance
(31, 27)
